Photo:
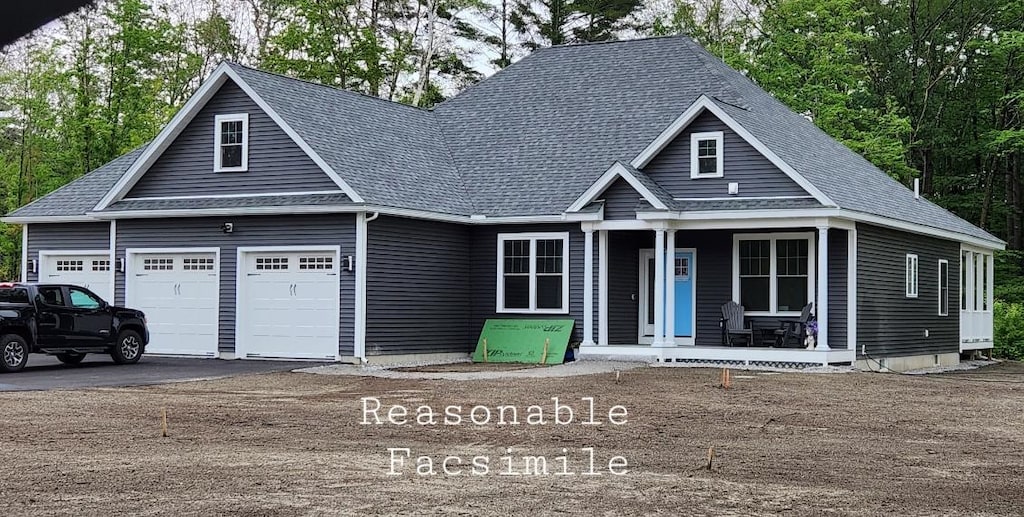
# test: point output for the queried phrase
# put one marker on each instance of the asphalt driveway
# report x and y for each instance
(46, 373)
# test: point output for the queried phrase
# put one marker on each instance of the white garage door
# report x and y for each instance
(178, 292)
(289, 305)
(89, 271)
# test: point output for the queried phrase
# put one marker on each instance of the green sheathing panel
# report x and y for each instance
(523, 341)
(888, 322)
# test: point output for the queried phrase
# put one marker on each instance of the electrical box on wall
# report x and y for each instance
(734, 188)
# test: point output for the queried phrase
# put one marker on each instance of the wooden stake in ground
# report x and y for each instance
(726, 378)
(163, 425)
(485, 350)
(618, 374)
(711, 457)
(544, 357)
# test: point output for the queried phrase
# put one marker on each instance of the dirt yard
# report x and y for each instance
(293, 444)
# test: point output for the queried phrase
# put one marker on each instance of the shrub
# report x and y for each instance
(1009, 330)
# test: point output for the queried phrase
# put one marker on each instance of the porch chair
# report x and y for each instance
(732, 325)
(791, 333)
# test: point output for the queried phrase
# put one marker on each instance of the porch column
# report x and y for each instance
(588, 285)
(659, 288)
(670, 289)
(602, 287)
(822, 312)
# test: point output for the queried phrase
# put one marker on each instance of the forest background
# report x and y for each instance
(927, 89)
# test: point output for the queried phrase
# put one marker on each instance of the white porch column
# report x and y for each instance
(588, 285)
(851, 289)
(979, 275)
(670, 288)
(602, 287)
(822, 306)
(659, 288)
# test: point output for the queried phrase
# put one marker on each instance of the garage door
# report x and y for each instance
(289, 305)
(179, 294)
(89, 271)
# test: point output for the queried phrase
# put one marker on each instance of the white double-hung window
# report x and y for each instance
(911, 276)
(707, 152)
(533, 273)
(773, 273)
(231, 143)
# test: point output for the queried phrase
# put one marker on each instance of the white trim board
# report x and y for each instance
(187, 113)
(617, 170)
(24, 253)
(705, 103)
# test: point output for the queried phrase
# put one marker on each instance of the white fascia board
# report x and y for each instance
(808, 217)
(614, 172)
(705, 103)
(184, 116)
(35, 219)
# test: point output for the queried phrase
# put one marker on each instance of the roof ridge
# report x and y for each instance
(326, 86)
(614, 41)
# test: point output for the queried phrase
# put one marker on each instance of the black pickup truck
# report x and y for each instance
(67, 321)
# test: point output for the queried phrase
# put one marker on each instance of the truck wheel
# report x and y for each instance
(13, 353)
(128, 348)
(70, 358)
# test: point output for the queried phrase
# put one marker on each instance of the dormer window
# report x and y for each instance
(706, 153)
(231, 143)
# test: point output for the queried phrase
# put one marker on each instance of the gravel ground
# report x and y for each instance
(293, 444)
(473, 370)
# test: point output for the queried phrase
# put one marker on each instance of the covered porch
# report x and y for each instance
(654, 290)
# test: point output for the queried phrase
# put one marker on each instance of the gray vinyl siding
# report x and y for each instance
(838, 244)
(276, 163)
(620, 200)
(756, 175)
(65, 236)
(714, 280)
(296, 230)
(889, 323)
(484, 275)
(417, 291)
(624, 284)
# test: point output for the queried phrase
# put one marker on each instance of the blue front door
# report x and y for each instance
(683, 271)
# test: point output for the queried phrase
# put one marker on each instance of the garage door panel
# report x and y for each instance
(291, 305)
(179, 293)
(89, 271)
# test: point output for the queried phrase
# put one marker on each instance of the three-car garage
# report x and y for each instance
(274, 288)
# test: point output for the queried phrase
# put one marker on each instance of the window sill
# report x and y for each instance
(533, 311)
(704, 176)
(231, 169)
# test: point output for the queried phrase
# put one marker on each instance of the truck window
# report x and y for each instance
(82, 300)
(52, 296)
(14, 295)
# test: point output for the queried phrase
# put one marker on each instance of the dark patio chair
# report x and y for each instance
(791, 333)
(733, 328)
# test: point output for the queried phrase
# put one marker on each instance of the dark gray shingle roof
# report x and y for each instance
(532, 138)
(230, 202)
(81, 195)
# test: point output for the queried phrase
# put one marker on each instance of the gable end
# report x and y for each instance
(274, 162)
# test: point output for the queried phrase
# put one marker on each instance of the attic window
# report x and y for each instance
(706, 153)
(231, 143)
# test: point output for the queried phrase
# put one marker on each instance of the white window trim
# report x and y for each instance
(911, 280)
(773, 301)
(941, 262)
(218, 121)
(719, 138)
(533, 238)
